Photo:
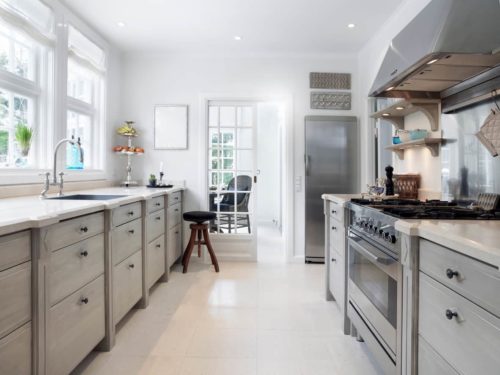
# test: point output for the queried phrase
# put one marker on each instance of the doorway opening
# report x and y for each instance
(270, 123)
(248, 171)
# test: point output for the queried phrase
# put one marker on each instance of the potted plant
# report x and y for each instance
(152, 180)
(24, 135)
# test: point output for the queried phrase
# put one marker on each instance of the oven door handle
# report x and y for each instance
(373, 253)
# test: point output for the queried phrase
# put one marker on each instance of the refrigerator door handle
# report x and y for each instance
(307, 160)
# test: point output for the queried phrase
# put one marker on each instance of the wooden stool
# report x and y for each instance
(199, 228)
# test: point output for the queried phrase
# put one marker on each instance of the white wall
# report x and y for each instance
(369, 60)
(161, 79)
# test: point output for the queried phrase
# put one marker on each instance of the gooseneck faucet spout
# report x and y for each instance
(58, 145)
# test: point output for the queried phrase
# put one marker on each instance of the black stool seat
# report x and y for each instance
(199, 217)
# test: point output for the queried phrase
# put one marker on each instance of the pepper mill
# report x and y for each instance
(389, 184)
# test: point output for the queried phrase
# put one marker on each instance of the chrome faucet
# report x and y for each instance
(47, 182)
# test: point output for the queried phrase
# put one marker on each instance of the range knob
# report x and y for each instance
(392, 238)
(381, 233)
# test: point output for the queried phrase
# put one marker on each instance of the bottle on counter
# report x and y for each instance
(389, 184)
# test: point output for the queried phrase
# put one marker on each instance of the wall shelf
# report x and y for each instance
(396, 113)
(431, 143)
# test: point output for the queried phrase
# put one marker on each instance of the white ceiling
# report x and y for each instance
(208, 26)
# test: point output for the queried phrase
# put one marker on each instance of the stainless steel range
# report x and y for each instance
(374, 283)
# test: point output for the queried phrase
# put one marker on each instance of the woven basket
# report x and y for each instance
(406, 185)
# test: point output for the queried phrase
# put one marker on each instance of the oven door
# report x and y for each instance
(373, 289)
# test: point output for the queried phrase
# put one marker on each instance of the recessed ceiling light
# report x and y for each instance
(432, 61)
(237, 37)
(386, 114)
(351, 25)
(400, 108)
(390, 88)
(121, 24)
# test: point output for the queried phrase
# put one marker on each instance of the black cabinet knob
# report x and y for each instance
(158, 218)
(85, 300)
(451, 314)
(334, 228)
(84, 253)
(131, 231)
(131, 265)
(334, 260)
(158, 245)
(131, 213)
(334, 212)
(450, 273)
(84, 229)
(157, 204)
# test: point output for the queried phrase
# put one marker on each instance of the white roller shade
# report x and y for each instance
(85, 52)
(30, 16)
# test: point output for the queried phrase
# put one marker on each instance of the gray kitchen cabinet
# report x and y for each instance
(430, 362)
(127, 285)
(174, 215)
(155, 204)
(16, 311)
(126, 213)
(456, 314)
(155, 246)
(15, 352)
(335, 257)
(75, 326)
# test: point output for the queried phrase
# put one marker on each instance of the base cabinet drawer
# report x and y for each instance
(337, 237)
(155, 204)
(336, 212)
(156, 260)
(124, 214)
(336, 277)
(15, 297)
(75, 327)
(174, 215)
(75, 266)
(174, 245)
(464, 334)
(127, 285)
(15, 352)
(126, 240)
(430, 362)
(156, 225)
(477, 281)
(174, 198)
(15, 249)
(72, 231)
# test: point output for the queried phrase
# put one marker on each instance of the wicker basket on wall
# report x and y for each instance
(407, 185)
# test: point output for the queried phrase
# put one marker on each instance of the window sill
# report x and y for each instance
(32, 176)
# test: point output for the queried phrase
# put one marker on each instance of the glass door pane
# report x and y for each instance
(231, 164)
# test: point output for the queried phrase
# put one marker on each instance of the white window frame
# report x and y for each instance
(54, 107)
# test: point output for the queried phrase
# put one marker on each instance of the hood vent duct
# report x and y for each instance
(447, 43)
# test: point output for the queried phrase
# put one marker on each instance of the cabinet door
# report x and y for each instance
(174, 244)
(336, 280)
(15, 352)
(430, 362)
(75, 327)
(127, 285)
(156, 260)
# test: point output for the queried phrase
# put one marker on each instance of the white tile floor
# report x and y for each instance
(251, 318)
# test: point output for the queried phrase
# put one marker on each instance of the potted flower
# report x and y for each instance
(152, 180)
(24, 135)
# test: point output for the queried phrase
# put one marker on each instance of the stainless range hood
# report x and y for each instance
(448, 42)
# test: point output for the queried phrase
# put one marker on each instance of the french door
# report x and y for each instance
(231, 185)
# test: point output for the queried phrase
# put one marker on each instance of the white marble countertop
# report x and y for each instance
(477, 239)
(340, 198)
(22, 213)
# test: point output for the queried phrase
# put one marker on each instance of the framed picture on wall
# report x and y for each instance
(171, 127)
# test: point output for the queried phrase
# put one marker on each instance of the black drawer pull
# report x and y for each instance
(334, 228)
(158, 218)
(334, 260)
(131, 265)
(131, 213)
(84, 253)
(334, 212)
(158, 245)
(451, 314)
(176, 210)
(157, 204)
(85, 300)
(84, 229)
(176, 198)
(177, 232)
(450, 273)
(131, 231)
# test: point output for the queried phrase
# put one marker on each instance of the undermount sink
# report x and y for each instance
(88, 197)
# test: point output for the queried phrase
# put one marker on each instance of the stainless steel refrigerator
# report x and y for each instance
(332, 166)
